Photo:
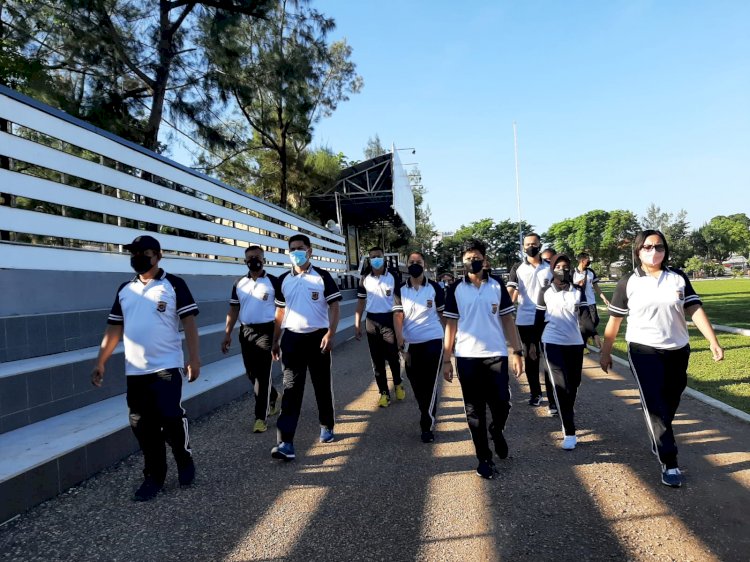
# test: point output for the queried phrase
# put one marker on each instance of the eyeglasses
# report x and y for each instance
(657, 247)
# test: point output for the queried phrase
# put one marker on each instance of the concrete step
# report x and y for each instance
(46, 458)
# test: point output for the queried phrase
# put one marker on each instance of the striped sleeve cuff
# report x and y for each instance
(538, 307)
(615, 311)
(280, 304)
(234, 302)
(453, 315)
(187, 310)
(334, 297)
(509, 310)
(114, 319)
(397, 308)
(692, 299)
(511, 285)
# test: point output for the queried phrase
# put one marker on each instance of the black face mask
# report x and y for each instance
(475, 266)
(140, 263)
(532, 251)
(254, 264)
(415, 270)
(562, 275)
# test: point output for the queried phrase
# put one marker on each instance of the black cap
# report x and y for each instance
(143, 243)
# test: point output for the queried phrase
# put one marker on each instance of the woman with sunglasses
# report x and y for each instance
(655, 298)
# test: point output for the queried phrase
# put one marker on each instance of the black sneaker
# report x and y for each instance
(148, 490)
(501, 445)
(186, 474)
(535, 401)
(486, 470)
(428, 437)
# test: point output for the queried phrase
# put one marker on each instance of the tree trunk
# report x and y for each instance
(161, 77)
(283, 192)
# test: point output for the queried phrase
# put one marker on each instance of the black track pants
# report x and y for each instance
(381, 339)
(255, 341)
(529, 335)
(423, 366)
(564, 364)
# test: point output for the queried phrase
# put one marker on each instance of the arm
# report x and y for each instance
(513, 294)
(358, 318)
(449, 340)
(234, 312)
(276, 348)
(193, 364)
(599, 292)
(398, 327)
(702, 322)
(326, 344)
(112, 336)
(610, 334)
(511, 333)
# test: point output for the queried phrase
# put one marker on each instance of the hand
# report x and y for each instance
(193, 369)
(605, 361)
(226, 343)
(606, 300)
(448, 371)
(532, 352)
(716, 351)
(516, 364)
(326, 344)
(276, 351)
(358, 332)
(97, 375)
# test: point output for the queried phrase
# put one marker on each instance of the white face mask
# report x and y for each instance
(652, 258)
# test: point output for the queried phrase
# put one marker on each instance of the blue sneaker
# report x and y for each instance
(326, 435)
(672, 477)
(283, 451)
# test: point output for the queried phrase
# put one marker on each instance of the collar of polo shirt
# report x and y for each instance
(261, 274)
(306, 270)
(161, 274)
(468, 280)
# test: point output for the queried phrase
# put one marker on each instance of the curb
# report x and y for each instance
(718, 404)
(730, 329)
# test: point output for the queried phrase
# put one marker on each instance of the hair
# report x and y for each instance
(640, 239)
(583, 255)
(253, 249)
(472, 244)
(300, 238)
(549, 249)
(376, 249)
(528, 234)
(557, 258)
(419, 253)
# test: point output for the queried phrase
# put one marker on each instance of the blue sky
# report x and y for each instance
(619, 103)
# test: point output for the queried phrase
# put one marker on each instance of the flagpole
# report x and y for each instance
(518, 188)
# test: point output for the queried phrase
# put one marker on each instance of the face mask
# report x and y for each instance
(254, 264)
(442, 285)
(377, 263)
(475, 266)
(562, 275)
(532, 251)
(415, 270)
(298, 257)
(652, 258)
(140, 263)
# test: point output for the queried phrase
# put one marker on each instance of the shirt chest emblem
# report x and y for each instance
(315, 295)
(387, 292)
(161, 306)
(265, 296)
(429, 303)
(494, 308)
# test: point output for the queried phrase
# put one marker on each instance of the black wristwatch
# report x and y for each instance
(518, 352)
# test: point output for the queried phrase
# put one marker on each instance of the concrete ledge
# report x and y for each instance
(46, 458)
(718, 404)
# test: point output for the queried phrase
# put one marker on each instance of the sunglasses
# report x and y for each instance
(657, 247)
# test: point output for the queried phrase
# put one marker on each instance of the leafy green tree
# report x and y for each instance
(374, 147)
(725, 236)
(694, 265)
(282, 75)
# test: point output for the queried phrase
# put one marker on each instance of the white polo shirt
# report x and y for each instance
(150, 314)
(655, 307)
(379, 291)
(306, 297)
(528, 281)
(420, 306)
(478, 311)
(591, 279)
(560, 308)
(256, 298)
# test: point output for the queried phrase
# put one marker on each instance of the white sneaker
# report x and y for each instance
(569, 443)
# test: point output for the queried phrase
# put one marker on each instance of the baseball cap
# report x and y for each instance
(143, 243)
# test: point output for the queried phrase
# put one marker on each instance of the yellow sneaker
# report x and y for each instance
(275, 407)
(400, 392)
(384, 400)
(260, 426)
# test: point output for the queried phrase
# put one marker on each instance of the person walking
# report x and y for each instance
(307, 311)
(253, 302)
(479, 319)
(656, 298)
(146, 314)
(375, 294)
(587, 280)
(526, 281)
(562, 344)
(547, 254)
(417, 316)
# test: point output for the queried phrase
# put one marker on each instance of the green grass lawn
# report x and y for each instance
(726, 302)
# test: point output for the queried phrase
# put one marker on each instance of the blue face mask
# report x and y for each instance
(298, 257)
(377, 263)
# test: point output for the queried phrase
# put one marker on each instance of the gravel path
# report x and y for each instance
(378, 493)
